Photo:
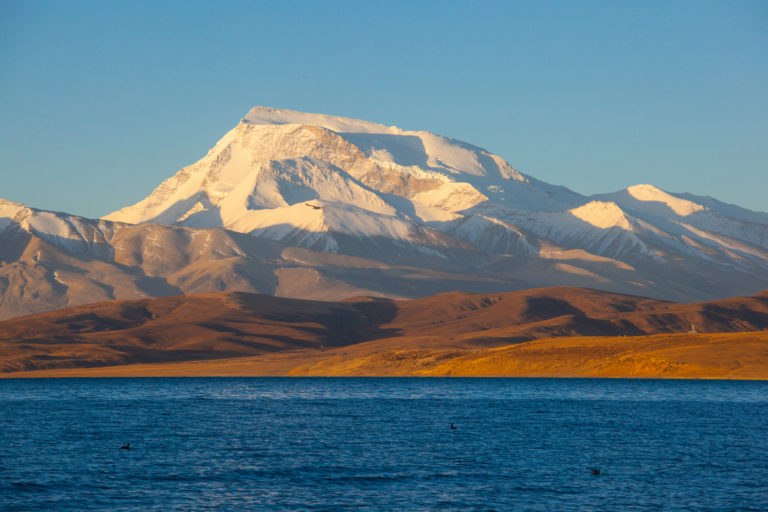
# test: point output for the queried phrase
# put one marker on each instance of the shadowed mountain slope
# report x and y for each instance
(51, 260)
(226, 325)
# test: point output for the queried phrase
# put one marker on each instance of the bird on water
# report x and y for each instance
(452, 427)
(594, 471)
(126, 446)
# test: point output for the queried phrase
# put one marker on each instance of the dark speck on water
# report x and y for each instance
(317, 444)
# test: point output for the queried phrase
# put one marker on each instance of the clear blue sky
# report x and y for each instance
(101, 101)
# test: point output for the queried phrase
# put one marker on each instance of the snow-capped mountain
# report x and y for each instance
(321, 181)
(50, 260)
(316, 180)
(317, 206)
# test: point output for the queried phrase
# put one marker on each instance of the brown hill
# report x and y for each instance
(229, 325)
(203, 326)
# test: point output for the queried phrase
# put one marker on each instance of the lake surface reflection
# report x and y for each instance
(383, 444)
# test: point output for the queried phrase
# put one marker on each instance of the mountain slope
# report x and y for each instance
(353, 187)
(51, 260)
(230, 324)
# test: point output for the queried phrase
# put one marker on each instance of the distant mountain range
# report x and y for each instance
(323, 207)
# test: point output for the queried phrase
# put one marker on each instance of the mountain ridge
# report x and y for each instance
(424, 212)
(220, 325)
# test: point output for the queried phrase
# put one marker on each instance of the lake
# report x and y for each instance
(383, 444)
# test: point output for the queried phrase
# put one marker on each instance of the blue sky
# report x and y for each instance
(101, 101)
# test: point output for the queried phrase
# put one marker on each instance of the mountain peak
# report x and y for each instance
(650, 193)
(261, 115)
(602, 214)
(395, 145)
(277, 158)
(9, 210)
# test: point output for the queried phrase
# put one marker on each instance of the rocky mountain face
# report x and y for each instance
(323, 207)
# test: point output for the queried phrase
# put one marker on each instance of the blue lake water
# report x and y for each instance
(382, 444)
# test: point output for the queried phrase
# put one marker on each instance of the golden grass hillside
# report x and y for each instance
(546, 332)
(710, 356)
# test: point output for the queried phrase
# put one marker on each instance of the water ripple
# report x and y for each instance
(382, 444)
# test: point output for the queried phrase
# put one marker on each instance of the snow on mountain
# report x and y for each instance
(313, 180)
(354, 187)
(650, 194)
(603, 215)
(602, 228)
(8, 211)
(684, 219)
(76, 234)
(490, 235)
(727, 210)
(319, 206)
(283, 182)
(276, 158)
(394, 145)
(51, 260)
